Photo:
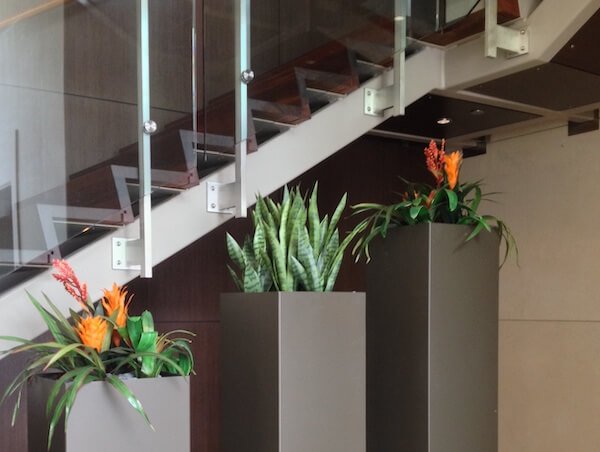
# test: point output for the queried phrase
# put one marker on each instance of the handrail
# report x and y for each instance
(51, 4)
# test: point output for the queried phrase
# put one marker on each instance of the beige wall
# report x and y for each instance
(549, 305)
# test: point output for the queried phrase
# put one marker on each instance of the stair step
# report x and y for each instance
(367, 70)
(319, 99)
(267, 130)
(330, 67)
(172, 164)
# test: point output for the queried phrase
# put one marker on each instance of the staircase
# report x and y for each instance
(301, 113)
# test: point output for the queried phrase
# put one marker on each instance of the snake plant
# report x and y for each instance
(292, 248)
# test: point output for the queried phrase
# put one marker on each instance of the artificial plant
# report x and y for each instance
(292, 248)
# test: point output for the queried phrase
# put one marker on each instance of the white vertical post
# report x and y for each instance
(243, 76)
(377, 101)
(491, 28)
(145, 128)
(400, 17)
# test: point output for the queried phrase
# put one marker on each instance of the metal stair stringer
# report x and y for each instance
(184, 219)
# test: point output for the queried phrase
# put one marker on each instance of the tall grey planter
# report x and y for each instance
(293, 372)
(432, 341)
(102, 420)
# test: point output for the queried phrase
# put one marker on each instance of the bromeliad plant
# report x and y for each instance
(102, 343)
(448, 201)
(292, 248)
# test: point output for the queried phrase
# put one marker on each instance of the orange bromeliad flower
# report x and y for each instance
(91, 331)
(434, 157)
(452, 167)
(66, 275)
(115, 300)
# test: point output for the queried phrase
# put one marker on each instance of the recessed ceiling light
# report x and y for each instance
(444, 121)
(477, 112)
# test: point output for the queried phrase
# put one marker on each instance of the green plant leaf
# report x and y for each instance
(283, 225)
(147, 321)
(335, 218)
(333, 272)
(60, 353)
(414, 212)
(251, 281)
(66, 327)
(236, 279)
(235, 251)
(134, 329)
(259, 242)
(129, 396)
(299, 272)
(51, 322)
(452, 199)
(307, 258)
(314, 224)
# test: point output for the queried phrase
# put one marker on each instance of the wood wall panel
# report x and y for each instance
(204, 402)
(12, 438)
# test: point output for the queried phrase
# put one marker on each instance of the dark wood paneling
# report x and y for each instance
(12, 438)
(582, 49)
(550, 85)
(204, 385)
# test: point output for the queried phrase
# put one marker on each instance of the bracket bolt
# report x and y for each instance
(118, 243)
(118, 262)
(522, 32)
(213, 205)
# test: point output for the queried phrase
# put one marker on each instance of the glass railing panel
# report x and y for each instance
(68, 102)
(172, 89)
(456, 10)
(216, 116)
(220, 77)
(307, 55)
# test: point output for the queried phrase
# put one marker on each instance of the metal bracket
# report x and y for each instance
(514, 42)
(376, 101)
(221, 198)
(126, 253)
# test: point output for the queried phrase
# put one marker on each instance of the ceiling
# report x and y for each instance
(549, 91)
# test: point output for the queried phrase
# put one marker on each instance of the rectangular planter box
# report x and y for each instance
(432, 341)
(293, 372)
(102, 420)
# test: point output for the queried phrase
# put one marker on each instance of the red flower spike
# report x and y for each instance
(65, 275)
(435, 161)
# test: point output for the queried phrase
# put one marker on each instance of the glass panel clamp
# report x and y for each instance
(377, 101)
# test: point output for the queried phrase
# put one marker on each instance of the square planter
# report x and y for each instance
(432, 341)
(293, 372)
(102, 420)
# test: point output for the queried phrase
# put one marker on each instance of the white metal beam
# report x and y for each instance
(550, 26)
